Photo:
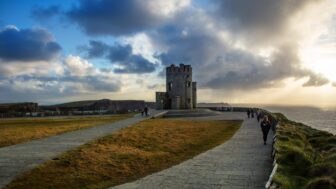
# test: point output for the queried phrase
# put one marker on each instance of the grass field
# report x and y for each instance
(129, 154)
(14, 131)
(306, 157)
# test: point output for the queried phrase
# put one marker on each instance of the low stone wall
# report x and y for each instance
(270, 184)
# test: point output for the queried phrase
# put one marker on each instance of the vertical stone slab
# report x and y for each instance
(194, 94)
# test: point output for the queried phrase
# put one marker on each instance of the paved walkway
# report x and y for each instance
(241, 163)
(21, 157)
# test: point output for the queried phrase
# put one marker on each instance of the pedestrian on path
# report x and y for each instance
(248, 113)
(146, 111)
(252, 113)
(265, 127)
(258, 115)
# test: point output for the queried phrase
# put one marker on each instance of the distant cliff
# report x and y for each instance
(100, 105)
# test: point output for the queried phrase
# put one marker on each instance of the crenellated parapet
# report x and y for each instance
(179, 69)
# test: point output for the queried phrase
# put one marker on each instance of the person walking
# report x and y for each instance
(252, 113)
(248, 113)
(265, 127)
(146, 111)
(258, 115)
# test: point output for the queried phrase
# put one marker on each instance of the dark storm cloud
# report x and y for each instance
(27, 45)
(111, 17)
(262, 19)
(120, 55)
(316, 80)
(119, 52)
(96, 49)
(43, 14)
(219, 65)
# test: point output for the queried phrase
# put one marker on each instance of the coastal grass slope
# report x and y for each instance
(306, 157)
(131, 153)
(18, 130)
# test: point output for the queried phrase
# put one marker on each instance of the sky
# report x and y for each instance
(258, 51)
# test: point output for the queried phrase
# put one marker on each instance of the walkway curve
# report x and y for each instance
(243, 162)
(18, 158)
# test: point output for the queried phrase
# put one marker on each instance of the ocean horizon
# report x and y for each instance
(318, 118)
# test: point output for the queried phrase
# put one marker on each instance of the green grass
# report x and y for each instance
(306, 157)
(127, 155)
(18, 130)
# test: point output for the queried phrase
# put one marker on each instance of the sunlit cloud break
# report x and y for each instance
(239, 50)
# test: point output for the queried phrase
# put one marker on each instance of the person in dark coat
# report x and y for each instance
(252, 113)
(146, 111)
(265, 127)
(248, 113)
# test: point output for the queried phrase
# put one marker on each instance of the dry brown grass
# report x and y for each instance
(129, 154)
(14, 131)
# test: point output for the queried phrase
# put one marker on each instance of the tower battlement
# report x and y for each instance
(176, 69)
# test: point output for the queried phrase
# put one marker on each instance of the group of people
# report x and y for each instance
(266, 122)
(250, 113)
(144, 112)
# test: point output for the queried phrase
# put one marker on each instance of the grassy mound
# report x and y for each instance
(129, 154)
(306, 157)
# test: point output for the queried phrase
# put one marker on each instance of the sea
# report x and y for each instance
(319, 118)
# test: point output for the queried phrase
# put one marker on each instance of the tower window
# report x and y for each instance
(188, 84)
(170, 86)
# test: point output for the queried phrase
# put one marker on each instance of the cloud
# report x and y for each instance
(76, 66)
(79, 70)
(95, 49)
(316, 80)
(121, 56)
(219, 64)
(43, 14)
(232, 45)
(259, 21)
(75, 77)
(105, 17)
(156, 86)
(27, 45)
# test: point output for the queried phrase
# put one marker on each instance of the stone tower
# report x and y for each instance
(181, 90)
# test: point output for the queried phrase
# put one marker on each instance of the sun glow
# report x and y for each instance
(321, 60)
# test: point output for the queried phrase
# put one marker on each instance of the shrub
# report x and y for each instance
(306, 157)
(321, 183)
